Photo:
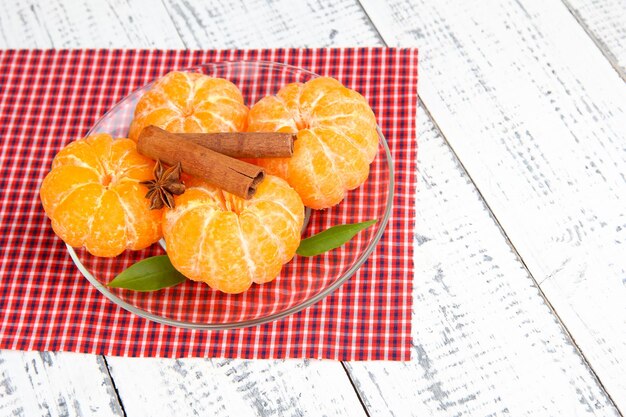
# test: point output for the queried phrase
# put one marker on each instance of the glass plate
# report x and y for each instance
(302, 282)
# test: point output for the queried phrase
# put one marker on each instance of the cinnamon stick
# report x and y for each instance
(230, 174)
(238, 144)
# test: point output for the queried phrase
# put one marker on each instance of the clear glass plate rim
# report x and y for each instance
(382, 225)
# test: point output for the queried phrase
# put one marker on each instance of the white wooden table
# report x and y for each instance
(520, 254)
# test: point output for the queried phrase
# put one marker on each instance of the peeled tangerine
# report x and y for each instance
(188, 102)
(93, 197)
(228, 242)
(336, 138)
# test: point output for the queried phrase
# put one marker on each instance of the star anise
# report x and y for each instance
(164, 186)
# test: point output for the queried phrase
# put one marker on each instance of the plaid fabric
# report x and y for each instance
(49, 98)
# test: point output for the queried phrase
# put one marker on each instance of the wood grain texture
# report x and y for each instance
(269, 386)
(485, 342)
(55, 384)
(605, 22)
(86, 24)
(536, 115)
(380, 384)
(226, 387)
(285, 388)
(271, 24)
(491, 347)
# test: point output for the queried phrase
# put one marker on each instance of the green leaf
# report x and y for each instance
(149, 274)
(331, 238)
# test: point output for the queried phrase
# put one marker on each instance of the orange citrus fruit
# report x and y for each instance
(228, 242)
(93, 197)
(190, 102)
(336, 138)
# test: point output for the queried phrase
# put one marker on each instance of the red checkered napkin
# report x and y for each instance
(49, 98)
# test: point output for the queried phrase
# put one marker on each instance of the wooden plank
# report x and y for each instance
(249, 387)
(226, 387)
(605, 22)
(343, 24)
(378, 382)
(307, 390)
(49, 383)
(263, 24)
(485, 342)
(86, 24)
(536, 115)
(55, 384)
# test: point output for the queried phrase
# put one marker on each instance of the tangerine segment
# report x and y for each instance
(337, 138)
(190, 102)
(224, 249)
(228, 242)
(93, 197)
(348, 161)
(143, 226)
(184, 253)
(272, 114)
(265, 247)
(108, 225)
